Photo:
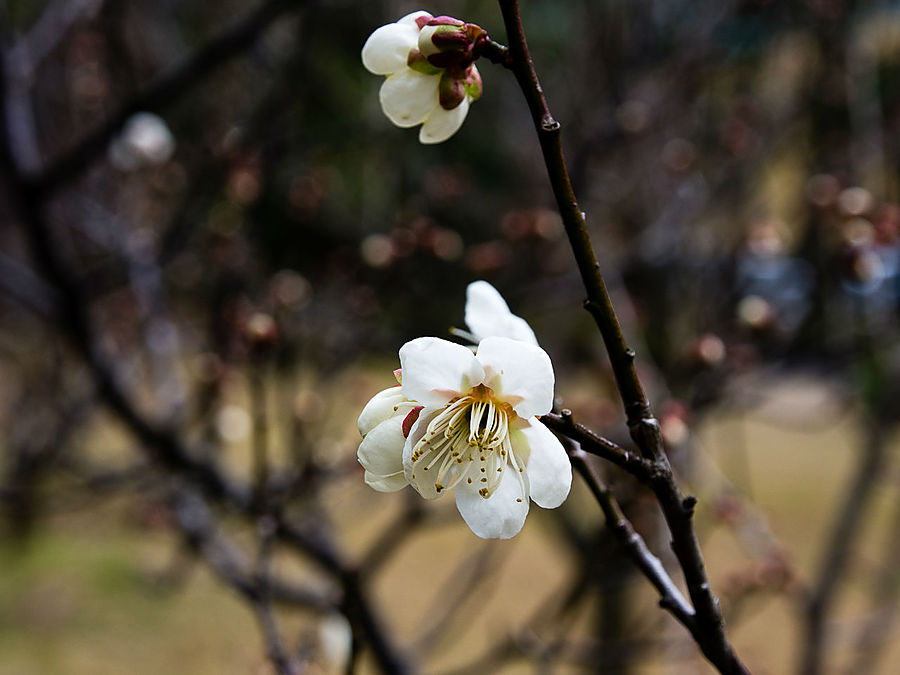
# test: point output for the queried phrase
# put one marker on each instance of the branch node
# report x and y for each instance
(688, 504)
(549, 124)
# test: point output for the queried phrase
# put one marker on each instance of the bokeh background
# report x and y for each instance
(248, 241)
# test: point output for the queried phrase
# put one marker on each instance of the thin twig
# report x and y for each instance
(840, 545)
(595, 444)
(262, 604)
(230, 563)
(398, 531)
(462, 584)
(874, 636)
(671, 598)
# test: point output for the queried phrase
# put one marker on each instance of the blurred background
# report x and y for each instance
(213, 243)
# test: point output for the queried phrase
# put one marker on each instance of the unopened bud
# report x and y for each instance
(450, 43)
(454, 87)
(450, 91)
(261, 330)
(418, 62)
(472, 83)
(442, 34)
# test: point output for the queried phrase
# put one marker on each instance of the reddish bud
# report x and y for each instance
(410, 419)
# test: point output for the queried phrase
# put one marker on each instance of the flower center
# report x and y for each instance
(468, 440)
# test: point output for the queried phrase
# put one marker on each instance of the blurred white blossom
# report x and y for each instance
(145, 140)
(488, 315)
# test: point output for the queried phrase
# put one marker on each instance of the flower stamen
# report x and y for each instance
(473, 430)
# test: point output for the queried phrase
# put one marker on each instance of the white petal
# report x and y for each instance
(500, 516)
(379, 408)
(416, 432)
(487, 315)
(442, 124)
(381, 451)
(423, 481)
(387, 49)
(390, 483)
(546, 463)
(410, 19)
(435, 370)
(519, 373)
(408, 97)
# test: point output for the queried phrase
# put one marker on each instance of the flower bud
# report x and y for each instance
(455, 87)
(450, 43)
(472, 83)
(261, 331)
(443, 34)
(418, 62)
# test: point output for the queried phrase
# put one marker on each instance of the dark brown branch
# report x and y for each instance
(262, 601)
(671, 598)
(840, 545)
(230, 563)
(465, 582)
(598, 302)
(393, 536)
(591, 442)
(874, 637)
(644, 428)
(20, 283)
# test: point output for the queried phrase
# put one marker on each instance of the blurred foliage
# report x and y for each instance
(737, 161)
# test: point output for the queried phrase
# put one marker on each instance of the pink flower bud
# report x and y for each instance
(447, 42)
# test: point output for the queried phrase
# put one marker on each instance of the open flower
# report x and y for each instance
(431, 75)
(469, 421)
(488, 315)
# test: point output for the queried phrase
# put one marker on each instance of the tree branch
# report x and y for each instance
(29, 194)
(840, 545)
(589, 441)
(671, 598)
(643, 426)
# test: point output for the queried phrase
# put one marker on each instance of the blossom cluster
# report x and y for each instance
(431, 75)
(468, 419)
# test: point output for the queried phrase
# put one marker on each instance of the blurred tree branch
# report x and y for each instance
(167, 89)
(29, 194)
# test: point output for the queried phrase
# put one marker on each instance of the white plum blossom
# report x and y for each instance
(430, 70)
(469, 421)
(145, 140)
(381, 426)
(488, 315)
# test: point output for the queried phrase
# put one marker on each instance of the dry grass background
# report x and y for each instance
(93, 591)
